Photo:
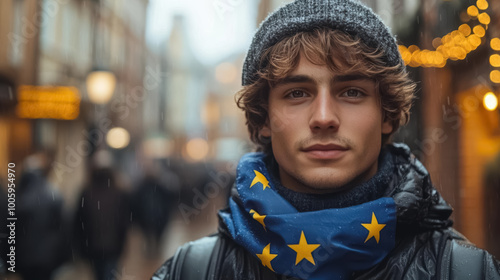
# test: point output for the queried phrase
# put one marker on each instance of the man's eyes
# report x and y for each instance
(349, 93)
(295, 93)
(352, 93)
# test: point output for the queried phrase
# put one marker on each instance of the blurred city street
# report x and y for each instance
(120, 132)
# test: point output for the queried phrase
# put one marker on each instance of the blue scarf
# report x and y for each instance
(324, 244)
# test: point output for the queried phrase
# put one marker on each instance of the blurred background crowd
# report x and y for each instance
(120, 119)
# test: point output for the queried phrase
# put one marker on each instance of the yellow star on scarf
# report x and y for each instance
(259, 178)
(304, 250)
(374, 228)
(266, 257)
(259, 218)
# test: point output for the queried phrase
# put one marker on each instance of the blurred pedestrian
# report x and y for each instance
(101, 222)
(152, 204)
(40, 233)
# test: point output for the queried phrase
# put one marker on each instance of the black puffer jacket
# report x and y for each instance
(426, 246)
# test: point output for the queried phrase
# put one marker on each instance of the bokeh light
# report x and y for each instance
(495, 60)
(482, 4)
(495, 44)
(472, 11)
(197, 149)
(118, 138)
(495, 76)
(490, 101)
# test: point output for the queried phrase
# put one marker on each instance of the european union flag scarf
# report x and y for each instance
(324, 244)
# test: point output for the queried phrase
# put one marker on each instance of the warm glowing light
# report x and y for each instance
(467, 46)
(495, 60)
(439, 58)
(48, 102)
(464, 29)
(472, 11)
(474, 40)
(118, 138)
(226, 73)
(210, 113)
(495, 44)
(436, 42)
(459, 53)
(490, 101)
(157, 148)
(495, 76)
(405, 54)
(402, 48)
(413, 48)
(197, 149)
(484, 18)
(100, 86)
(415, 59)
(456, 44)
(479, 30)
(482, 4)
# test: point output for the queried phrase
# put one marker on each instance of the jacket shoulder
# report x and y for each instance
(215, 257)
(191, 261)
(466, 261)
(436, 254)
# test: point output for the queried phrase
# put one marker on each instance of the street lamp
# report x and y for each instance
(100, 86)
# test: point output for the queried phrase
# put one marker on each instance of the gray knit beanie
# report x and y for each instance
(349, 16)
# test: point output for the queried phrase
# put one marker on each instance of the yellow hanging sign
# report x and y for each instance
(48, 102)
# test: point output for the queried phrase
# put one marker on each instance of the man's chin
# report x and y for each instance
(320, 185)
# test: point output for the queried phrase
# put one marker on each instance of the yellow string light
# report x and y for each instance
(454, 45)
(472, 11)
(465, 29)
(495, 60)
(484, 18)
(495, 76)
(436, 42)
(482, 4)
(474, 40)
(479, 31)
(495, 44)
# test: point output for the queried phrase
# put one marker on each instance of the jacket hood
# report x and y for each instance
(418, 203)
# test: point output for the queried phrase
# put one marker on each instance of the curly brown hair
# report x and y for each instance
(322, 47)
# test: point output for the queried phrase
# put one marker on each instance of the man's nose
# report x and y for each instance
(324, 112)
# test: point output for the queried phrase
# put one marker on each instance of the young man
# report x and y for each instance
(328, 196)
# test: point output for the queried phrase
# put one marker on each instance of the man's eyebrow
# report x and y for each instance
(294, 79)
(351, 77)
(307, 79)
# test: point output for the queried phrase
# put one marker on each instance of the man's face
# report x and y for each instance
(325, 127)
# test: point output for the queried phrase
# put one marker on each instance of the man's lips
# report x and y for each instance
(325, 151)
(325, 147)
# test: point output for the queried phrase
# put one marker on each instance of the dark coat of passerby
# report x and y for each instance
(40, 233)
(101, 223)
(152, 204)
(329, 196)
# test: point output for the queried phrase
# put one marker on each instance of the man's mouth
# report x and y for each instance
(325, 151)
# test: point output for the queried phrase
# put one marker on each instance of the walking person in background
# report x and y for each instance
(152, 205)
(101, 222)
(40, 233)
(328, 196)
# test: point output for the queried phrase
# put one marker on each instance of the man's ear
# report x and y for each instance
(265, 131)
(387, 126)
